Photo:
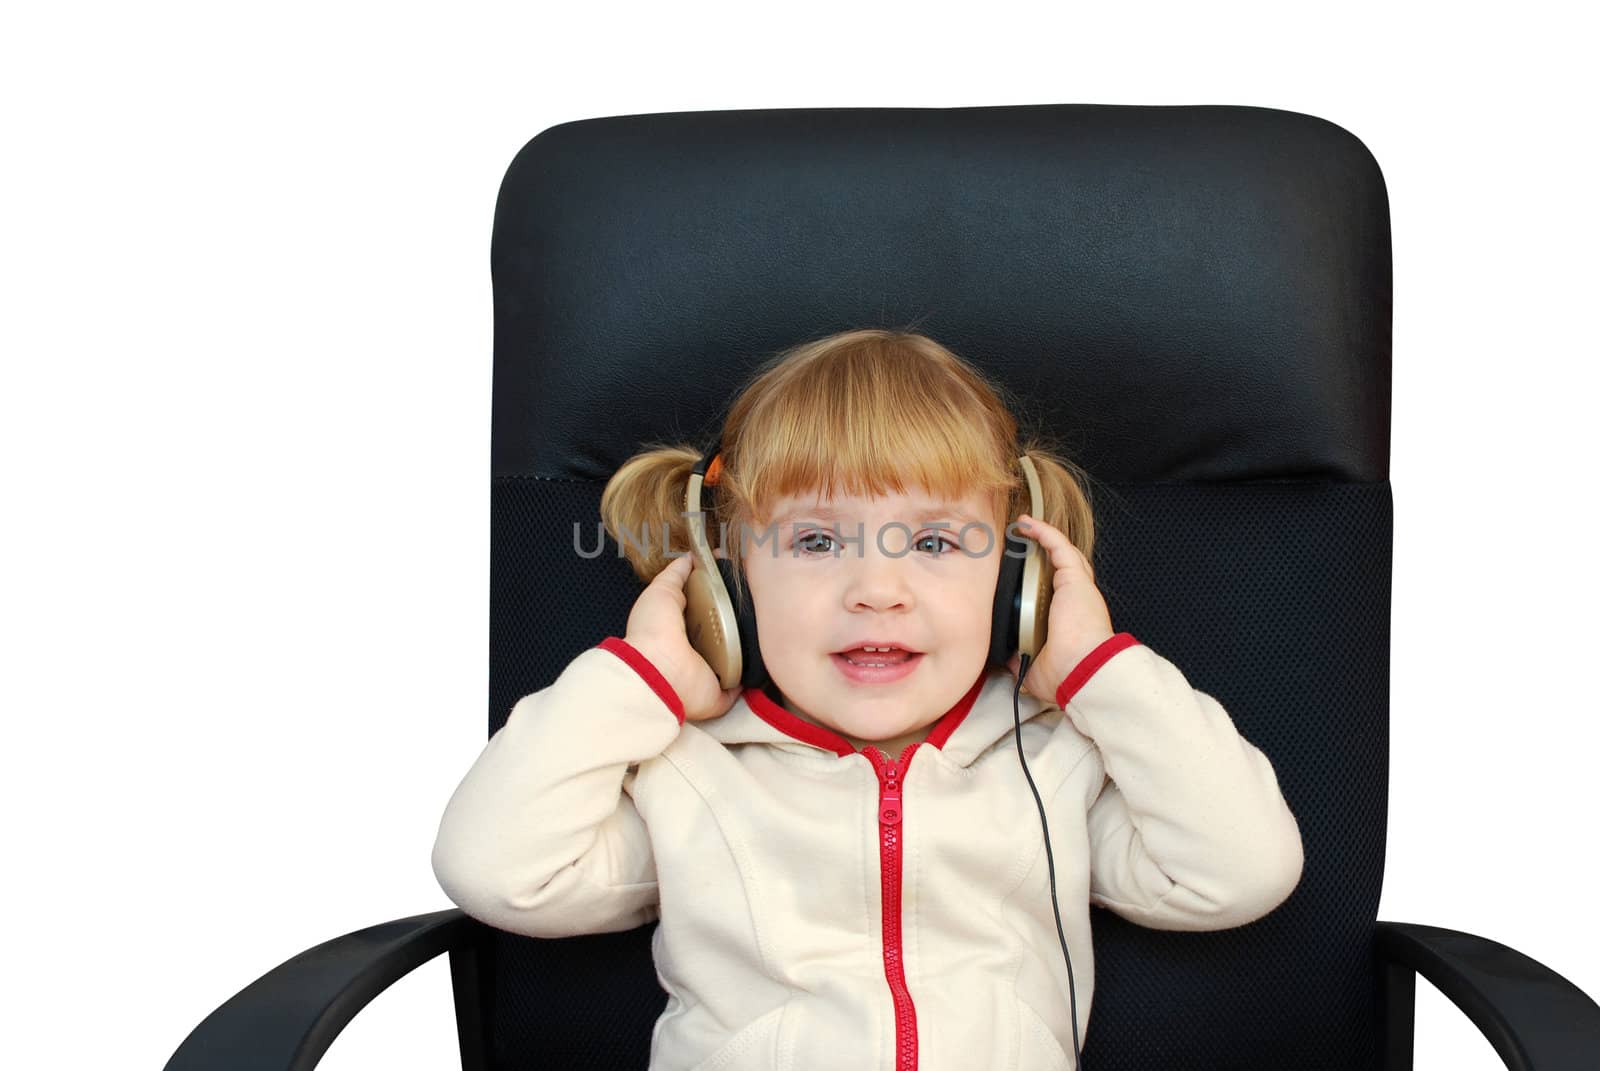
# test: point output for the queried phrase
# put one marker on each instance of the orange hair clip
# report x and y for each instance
(713, 474)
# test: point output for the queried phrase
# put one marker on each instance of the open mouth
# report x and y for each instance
(877, 657)
(861, 666)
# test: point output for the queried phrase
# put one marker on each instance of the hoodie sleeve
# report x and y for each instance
(542, 836)
(1190, 830)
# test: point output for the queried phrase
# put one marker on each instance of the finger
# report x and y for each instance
(1064, 554)
(672, 577)
(1054, 539)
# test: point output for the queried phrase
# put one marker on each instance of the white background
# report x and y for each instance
(247, 355)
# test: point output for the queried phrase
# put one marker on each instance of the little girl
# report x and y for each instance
(847, 863)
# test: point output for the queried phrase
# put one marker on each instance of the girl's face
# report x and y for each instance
(827, 576)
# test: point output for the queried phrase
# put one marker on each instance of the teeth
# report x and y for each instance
(875, 665)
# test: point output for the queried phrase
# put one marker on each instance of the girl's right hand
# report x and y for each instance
(656, 630)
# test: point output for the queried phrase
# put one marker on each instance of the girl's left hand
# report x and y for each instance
(1079, 621)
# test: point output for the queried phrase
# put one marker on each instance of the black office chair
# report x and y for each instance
(1196, 301)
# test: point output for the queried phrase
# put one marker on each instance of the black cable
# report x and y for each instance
(1016, 715)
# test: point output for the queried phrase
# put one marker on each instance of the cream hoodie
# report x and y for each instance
(822, 907)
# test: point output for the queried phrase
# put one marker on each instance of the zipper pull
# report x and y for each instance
(889, 802)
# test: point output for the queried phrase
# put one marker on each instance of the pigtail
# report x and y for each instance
(1067, 501)
(642, 507)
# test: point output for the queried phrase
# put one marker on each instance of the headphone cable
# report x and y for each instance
(1016, 715)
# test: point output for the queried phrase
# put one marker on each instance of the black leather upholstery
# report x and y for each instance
(1189, 293)
(1195, 300)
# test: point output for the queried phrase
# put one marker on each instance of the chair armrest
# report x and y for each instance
(1535, 1019)
(286, 1019)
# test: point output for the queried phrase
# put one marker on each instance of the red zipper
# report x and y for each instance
(890, 813)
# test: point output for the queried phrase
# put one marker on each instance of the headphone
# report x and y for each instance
(723, 630)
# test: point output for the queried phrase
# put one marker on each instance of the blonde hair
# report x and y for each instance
(865, 411)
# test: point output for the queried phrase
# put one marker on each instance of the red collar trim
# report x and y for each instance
(816, 735)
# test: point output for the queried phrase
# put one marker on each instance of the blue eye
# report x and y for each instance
(803, 541)
(942, 544)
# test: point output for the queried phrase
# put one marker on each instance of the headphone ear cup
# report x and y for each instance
(1004, 629)
(755, 671)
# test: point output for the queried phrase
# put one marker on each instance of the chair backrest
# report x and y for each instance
(1195, 300)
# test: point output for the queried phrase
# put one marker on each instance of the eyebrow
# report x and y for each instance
(824, 513)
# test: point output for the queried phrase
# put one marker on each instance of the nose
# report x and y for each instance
(878, 580)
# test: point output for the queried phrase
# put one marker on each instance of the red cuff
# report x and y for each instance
(646, 669)
(1089, 663)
